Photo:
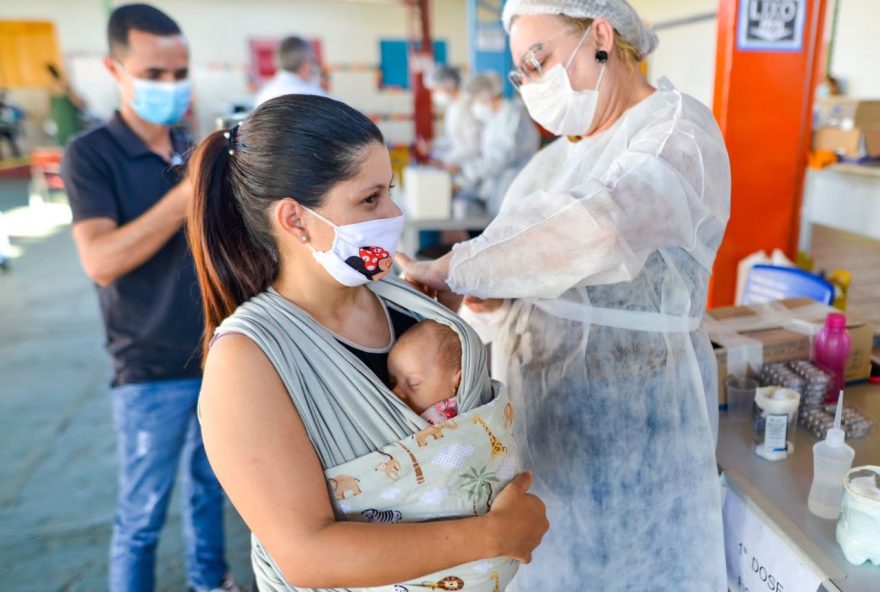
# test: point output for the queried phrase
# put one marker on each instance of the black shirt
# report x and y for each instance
(377, 359)
(153, 315)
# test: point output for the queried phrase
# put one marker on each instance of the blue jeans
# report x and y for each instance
(157, 430)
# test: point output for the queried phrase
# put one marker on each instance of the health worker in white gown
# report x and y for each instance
(591, 283)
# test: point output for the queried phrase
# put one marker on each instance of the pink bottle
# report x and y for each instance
(830, 352)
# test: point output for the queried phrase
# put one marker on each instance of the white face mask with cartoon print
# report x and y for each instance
(361, 252)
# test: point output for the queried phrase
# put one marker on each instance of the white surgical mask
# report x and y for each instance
(481, 111)
(441, 99)
(556, 106)
(360, 252)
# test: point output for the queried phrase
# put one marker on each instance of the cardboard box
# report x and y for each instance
(851, 143)
(746, 337)
(427, 193)
(847, 113)
(872, 142)
(777, 345)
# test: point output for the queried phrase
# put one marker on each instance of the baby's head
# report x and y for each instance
(424, 365)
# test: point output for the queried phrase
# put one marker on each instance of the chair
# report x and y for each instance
(766, 283)
(46, 172)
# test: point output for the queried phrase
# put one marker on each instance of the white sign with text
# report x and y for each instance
(758, 559)
(771, 25)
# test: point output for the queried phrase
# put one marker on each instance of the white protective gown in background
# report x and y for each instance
(462, 134)
(606, 246)
(509, 140)
(288, 83)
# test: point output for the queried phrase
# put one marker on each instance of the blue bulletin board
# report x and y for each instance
(490, 47)
(394, 61)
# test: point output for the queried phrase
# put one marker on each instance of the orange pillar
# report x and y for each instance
(767, 65)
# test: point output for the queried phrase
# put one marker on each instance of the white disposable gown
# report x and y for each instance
(462, 134)
(605, 248)
(509, 140)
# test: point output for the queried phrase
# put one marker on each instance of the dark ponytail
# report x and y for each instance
(295, 146)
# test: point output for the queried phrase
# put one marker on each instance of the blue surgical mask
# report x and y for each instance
(162, 103)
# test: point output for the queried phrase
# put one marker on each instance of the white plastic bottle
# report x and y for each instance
(832, 458)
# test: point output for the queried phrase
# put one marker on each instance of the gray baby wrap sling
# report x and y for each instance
(355, 423)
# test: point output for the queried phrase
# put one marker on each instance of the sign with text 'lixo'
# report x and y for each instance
(771, 25)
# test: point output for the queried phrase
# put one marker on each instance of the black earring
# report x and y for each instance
(602, 56)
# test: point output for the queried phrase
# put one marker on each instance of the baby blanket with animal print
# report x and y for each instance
(452, 469)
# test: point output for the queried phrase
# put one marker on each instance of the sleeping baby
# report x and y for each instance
(450, 468)
(424, 369)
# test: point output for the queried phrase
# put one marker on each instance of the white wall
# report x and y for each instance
(857, 47)
(219, 30)
(351, 29)
(686, 54)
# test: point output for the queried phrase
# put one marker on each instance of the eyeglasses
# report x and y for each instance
(531, 63)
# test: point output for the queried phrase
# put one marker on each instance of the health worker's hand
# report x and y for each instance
(427, 276)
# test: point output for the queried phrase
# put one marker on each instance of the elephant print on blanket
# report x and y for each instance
(343, 484)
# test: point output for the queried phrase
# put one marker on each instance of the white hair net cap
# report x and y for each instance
(487, 82)
(619, 13)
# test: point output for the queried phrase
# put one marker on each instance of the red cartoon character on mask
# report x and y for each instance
(373, 262)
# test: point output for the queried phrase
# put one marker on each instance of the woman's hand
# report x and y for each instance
(426, 276)
(518, 519)
(480, 305)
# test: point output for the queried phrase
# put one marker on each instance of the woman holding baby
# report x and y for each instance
(292, 211)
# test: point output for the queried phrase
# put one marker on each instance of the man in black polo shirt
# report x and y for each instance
(129, 201)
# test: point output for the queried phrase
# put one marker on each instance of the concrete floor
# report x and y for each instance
(57, 448)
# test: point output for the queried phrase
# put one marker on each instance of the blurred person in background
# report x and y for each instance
(11, 117)
(509, 140)
(66, 107)
(462, 132)
(829, 87)
(298, 73)
(129, 199)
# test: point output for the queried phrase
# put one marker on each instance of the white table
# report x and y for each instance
(778, 492)
(410, 239)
